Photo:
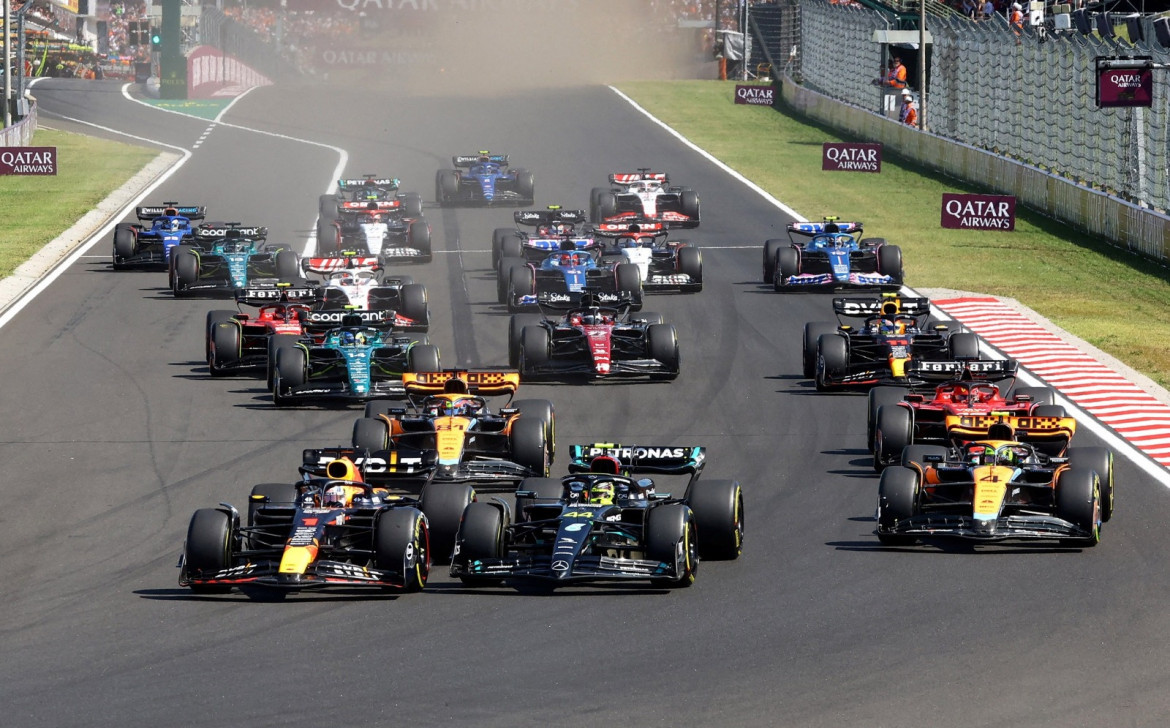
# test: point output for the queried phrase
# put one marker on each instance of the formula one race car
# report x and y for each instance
(519, 283)
(553, 227)
(170, 225)
(321, 532)
(896, 331)
(594, 338)
(644, 195)
(352, 362)
(483, 179)
(372, 218)
(450, 434)
(665, 265)
(227, 257)
(833, 257)
(237, 341)
(351, 282)
(996, 490)
(964, 408)
(602, 523)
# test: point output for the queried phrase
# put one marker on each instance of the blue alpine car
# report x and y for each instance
(833, 256)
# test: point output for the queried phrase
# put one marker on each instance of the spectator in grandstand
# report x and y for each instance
(968, 8)
(908, 114)
(988, 9)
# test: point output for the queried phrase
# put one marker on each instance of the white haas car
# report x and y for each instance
(665, 265)
(358, 284)
(644, 195)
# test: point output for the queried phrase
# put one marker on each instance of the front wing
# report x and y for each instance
(584, 569)
(319, 575)
(1019, 527)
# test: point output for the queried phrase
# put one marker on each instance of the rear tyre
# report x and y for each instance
(547, 490)
(541, 409)
(418, 236)
(370, 434)
(1040, 395)
(897, 498)
(594, 200)
(481, 537)
(124, 242)
(423, 358)
(877, 398)
(964, 346)
(327, 207)
(893, 432)
(402, 546)
(265, 495)
(444, 504)
(534, 348)
(186, 269)
(662, 344)
(718, 509)
(226, 340)
(812, 334)
(667, 527)
(771, 247)
(1049, 410)
(516, 326)
(1078, 501)
(628, 278)
(688, 202)
(889, 262)
(328, 240)
(276, 342)
(291, 371)
(787, 265)
(525, 185)
(521, 282)
(504, 276)
(412, 303)
(918, 453)
(288, 267)
(208, 547)
(530, 447)
(412, 205)
(606, 206)
(446, 185)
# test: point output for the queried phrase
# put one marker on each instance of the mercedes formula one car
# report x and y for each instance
(227, 257)
(967, 406)
(550, 229)
(592, 337)
(353, 362)
(604, 522)
(833, 256)
(170, 225)
(449, 434)
(665, 265)
(644, 195)
(896, 331)
(483, 179)
(354, 283)
(996, 490)
(334, 531)
(370, 216)
(519, 283)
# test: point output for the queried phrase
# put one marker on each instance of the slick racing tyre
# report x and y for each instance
(688, 202)
(124, 243)
(418, 236)
(288, 267)
(291, 371)
(787, 265)
(594, 201)
(534, 349)
(402, 546)
(628, 277)
(504, 276)
(897, 499)
(327, 207)
(877, 398)
(516, 325)
(226, 341)
(548, 491)
(276, 342)
(690, 263)
(771, 247)
(328, 239)
(832, 359)
(670, 538)
(1078, 501)
(812, 335)
(525, 185)
(889, 262)
(606, 206)
(530, 446)
(370, 434)
(1100, 461)
(540, 409)
(893, 431)
(521, 282)
(208, 549)
(446, 185)
(718, 509)
(481, 536)
(662, 344)
(412, 303)
(444, 504)
(412, 205)
(423, 358)
(185, 269)
(964, 346)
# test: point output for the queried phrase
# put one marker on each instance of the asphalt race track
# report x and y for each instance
(113, 434)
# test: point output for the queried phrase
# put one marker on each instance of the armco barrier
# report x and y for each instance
(20, 134)
(1138, 229)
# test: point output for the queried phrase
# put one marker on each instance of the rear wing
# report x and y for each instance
(280, 293)
(892, 305)
(546, 217)
(636, 227)
(565, 300)
(484, 382)
(325, 266)
(332, 319)
(1023, 428)
(378, 466)
(191, 212)
(212, 231)
(369, 205)
(809, 229)
(385, 183)
(467, 160)
(668, 460)
(642, 175)
(974, 370)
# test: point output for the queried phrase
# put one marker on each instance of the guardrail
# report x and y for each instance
(20, 134)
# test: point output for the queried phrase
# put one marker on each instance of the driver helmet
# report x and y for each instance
(601, 494)
(980, 454)
(592, 317)
(339, 496)
(1007, 456)
(348, 339)
(347, 279)
(176, 224)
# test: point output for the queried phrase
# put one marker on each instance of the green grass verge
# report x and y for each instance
(35, 209)
(1113, 299)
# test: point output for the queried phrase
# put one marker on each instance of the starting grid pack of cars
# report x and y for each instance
(412, 488)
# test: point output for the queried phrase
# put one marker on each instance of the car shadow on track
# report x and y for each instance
(261, 595)
(935, 545)
(543, 590)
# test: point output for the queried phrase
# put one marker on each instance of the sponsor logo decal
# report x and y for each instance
(851, 157)
(978, 212)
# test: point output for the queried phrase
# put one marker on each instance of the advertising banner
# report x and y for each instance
(1124, 87)
(754, 95)
(851, 157)
(28, 160)
(978, 212)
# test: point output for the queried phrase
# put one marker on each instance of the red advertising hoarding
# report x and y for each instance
(28, 160)
(754, 95)
(1125, 82)
(978, 212)
(851, 157)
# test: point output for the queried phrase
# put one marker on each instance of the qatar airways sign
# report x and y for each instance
(978, 212)
(851, 157)
(754, 95)
(28, 160)
(1124, 87)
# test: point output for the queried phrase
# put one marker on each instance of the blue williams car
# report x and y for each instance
(136, 244)
(483, 179)
(227, 257)
(567, 271)
(833, 256)
(352, 362)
